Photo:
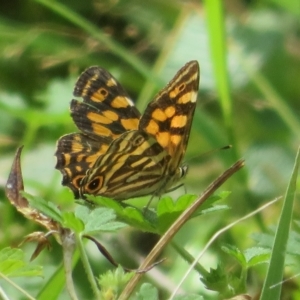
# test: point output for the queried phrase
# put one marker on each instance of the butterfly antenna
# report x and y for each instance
(210, 152)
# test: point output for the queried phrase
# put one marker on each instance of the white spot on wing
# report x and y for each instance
(129, 101)
(194, 97)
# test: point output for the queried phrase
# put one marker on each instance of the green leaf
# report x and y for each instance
(216, 280)
(249, 257)
(107, 202)
(257, 255)
(56, 283)
(236, 253)
(82, 212)
(102, 219)
(147, 291)
(12, 264)
(136, 218)
(113, 282)
(72, 222)
(214, 198)
(47, 208)
(168, 210)
(129, 214)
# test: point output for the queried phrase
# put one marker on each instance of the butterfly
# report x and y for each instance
(119, 153)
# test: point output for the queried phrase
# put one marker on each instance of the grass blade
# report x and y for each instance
(276, 266)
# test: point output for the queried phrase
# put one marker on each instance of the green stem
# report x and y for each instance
(68, 244)
(189, 258)
(16, 286)
(87, 266)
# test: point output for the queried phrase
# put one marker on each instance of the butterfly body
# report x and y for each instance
(120, 153)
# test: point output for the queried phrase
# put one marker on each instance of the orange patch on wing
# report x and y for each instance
(173, 93)
(119, 102)
(68, 171)
(99, 96)
(110, 115)
(111, 82)
(76, 146)
(78, 169)
(130, 124)
(159, 115)
(94, 117)
(95, 97)
(80, 157)
(101, 130)
(170, 111)
(67, 158)
(179, 121)
(176, 139)
(187, 97)
(103, 148)
(77, 138)
(92, 158)
(86, 88)
(152, 127)
(163, 138)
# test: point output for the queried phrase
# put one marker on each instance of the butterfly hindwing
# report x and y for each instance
(76, 153)
(132, 166)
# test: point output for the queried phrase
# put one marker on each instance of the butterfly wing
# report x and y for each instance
(131, 167)
(75, 154)
(105, 113)
(169, 117)
(106, 109)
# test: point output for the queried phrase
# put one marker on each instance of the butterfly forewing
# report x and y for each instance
(169, 116)
(136, 155)
(106, 109)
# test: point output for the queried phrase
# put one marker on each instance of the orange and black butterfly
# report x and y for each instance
(120, 153)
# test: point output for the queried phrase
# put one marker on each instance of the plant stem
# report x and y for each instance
(189, 258)
(16, 286)
(68, 244)
(87, 266)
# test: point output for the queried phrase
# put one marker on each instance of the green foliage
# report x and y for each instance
(167, 211)
(113, 282)
(102, 219)
(13, 264)
(46, 207)
(218, 280)
(248, 258)
(147, 291)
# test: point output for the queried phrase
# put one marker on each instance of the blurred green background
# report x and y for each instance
(44, 46)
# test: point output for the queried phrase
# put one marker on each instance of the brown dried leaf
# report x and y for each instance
(42, 242)
(13, 189)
